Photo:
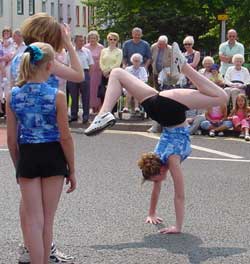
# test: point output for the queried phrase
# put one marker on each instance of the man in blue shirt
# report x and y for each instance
(136, 45)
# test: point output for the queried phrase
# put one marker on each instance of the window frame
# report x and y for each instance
(19, 7)
(84, 16)
(32, 9)
(77, 16)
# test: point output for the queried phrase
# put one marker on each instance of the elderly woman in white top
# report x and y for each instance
(138, 71)
(236, 78)
(207, 63)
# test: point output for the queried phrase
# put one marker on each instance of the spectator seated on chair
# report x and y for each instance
(139, 72)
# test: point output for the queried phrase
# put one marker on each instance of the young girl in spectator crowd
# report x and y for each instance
(216, 76)
(43, 152)
(240, 116)
(216, 120)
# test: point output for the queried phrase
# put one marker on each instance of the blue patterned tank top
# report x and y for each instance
(35, 107)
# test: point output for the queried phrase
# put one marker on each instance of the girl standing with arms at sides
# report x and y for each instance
(44, 28)
(240, 116)
(168, 108)
(40, 111)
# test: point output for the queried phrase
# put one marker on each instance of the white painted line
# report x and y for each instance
(157, 136)
(4, 149)
(214, 159)
(216, 152)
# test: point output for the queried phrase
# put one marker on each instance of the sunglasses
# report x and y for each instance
(187, 44)
(112, 39)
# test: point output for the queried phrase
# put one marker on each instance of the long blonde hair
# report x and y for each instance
(42, 28)
(33, 59)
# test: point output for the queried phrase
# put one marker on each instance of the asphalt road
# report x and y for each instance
(103, 220)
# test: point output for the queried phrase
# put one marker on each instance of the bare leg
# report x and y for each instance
(207, 95)
(51, 192)
(120, 78)
(179, 197)
(23, 222)
(33, 210)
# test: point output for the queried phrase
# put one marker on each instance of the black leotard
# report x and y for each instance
(166, 111)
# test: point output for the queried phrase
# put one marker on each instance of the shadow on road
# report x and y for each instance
(182, 244)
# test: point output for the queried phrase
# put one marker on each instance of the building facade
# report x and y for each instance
(72, 12)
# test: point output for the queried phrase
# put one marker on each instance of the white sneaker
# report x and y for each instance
(99, 123)
(221, 134)
(247, 137)
(56, 256)
(137, 110)
(241, 135)
(211, 133)
(198, 132)
(178, 60)
(24, 256)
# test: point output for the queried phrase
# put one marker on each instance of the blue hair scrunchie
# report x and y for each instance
(36, 54)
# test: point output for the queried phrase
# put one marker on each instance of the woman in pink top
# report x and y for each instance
(95, 72)
(216, 120)
(240, 116)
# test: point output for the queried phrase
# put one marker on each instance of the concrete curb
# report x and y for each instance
(125, 125)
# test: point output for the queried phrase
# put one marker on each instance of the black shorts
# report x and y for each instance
(41, 160)
(164, 110)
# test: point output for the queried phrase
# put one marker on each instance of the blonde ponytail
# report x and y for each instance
(33, 58)
(25, 70)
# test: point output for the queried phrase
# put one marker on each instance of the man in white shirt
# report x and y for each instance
(83, 87)
(228, 49)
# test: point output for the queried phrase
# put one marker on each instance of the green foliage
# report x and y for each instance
(174, 18)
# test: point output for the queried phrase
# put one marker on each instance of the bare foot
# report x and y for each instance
(170, 230)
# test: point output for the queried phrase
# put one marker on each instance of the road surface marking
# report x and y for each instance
(148, 135)
(215, 159)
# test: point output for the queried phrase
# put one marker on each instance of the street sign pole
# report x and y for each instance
(223, 31)
(223, 18)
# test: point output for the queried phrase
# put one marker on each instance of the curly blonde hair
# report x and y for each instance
(150, 164)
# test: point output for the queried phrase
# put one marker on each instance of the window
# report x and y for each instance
(61, 13)
(77, 16)
(43, 6)
(69, 14)
(68, 11)
(84, 16)
(1, 7)
(91, 15)
(31, 7)
(20, 7)
(52, 9)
